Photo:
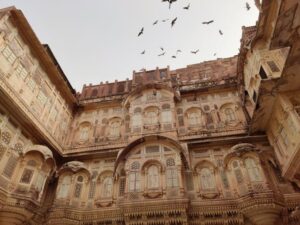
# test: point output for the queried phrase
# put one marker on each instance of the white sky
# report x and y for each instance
(96, 40)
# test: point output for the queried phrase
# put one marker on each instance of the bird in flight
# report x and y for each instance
(187, 7)
(170, 2)
(178, 51)
(208, 22)
(141, 32)
(173, 21)
(195, 52)
(143, 52)
(174, 56)
(155, 22)
(161, 48)
(220, 32)
(215, 54)
(162, 54)
(165, 20)
(248, 6)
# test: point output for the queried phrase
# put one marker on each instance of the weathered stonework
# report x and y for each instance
(214, 143)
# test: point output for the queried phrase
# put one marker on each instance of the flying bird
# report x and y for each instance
(141, 32)
(174, 56)
(195, 52)
(173, 22)
(220, 32)
(162, 54)
(143, 52)
(178, 51)
(165, 20)
(215, 54)
(170, 2)
(155, 22)
(187, 7)
(161, 48)
(208, 22)
(248, 6)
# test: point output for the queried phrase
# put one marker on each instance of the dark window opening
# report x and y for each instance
(262, 73)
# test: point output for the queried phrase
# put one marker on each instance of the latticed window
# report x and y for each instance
(134, 177)
(122, 186)
(64, 187)
(166, 116)
(194, 118)
(9, 55)
(10, 166)
(18, 147)
(170, 162)
(84, 133)
(2, 150)
(40, 181)
(172, 177)
(229, 113)
(93, 185)
(253, 170)
(107, 187)
(42, 98)
(31, 84)
(224, 179)
(153, 177)
(207, 179)
(27, 176)
(21, 71)
(152, 149)
(6, 137)
(237, 171)
(137, 120)
(151, 117)
(115, 128)
(78, 187)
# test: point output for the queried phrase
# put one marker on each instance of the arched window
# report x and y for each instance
(78, 186)
(64, 187)
(28, 172)
(137, 117)
(194, 118)
(134, 177)
(253, 170)
(107, 187)
(237, 171)
(153, 177)
(115, 128)
(207, 179)
(84, 133)
(151, 116)
(230, 115)
(172, 177)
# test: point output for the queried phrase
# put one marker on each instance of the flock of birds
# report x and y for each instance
(173, 21)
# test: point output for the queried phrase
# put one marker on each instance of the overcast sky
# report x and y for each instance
(96, 40)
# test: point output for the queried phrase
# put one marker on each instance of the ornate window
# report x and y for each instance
(78, 186)
(194, 117)
(64, 187)
(172, 177)
(10, 166)
(207, 179)
(107, 187)
(253, 170)
(21, 71)
(6, 137)
(166, 116)
(137, 117)
(151, 116)
(26, 176)
(237, 171)
(2, 150)
(230, 115)
(114, 130)
(134, 177)
(9, 55)
(84, 133)
(153, 177)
